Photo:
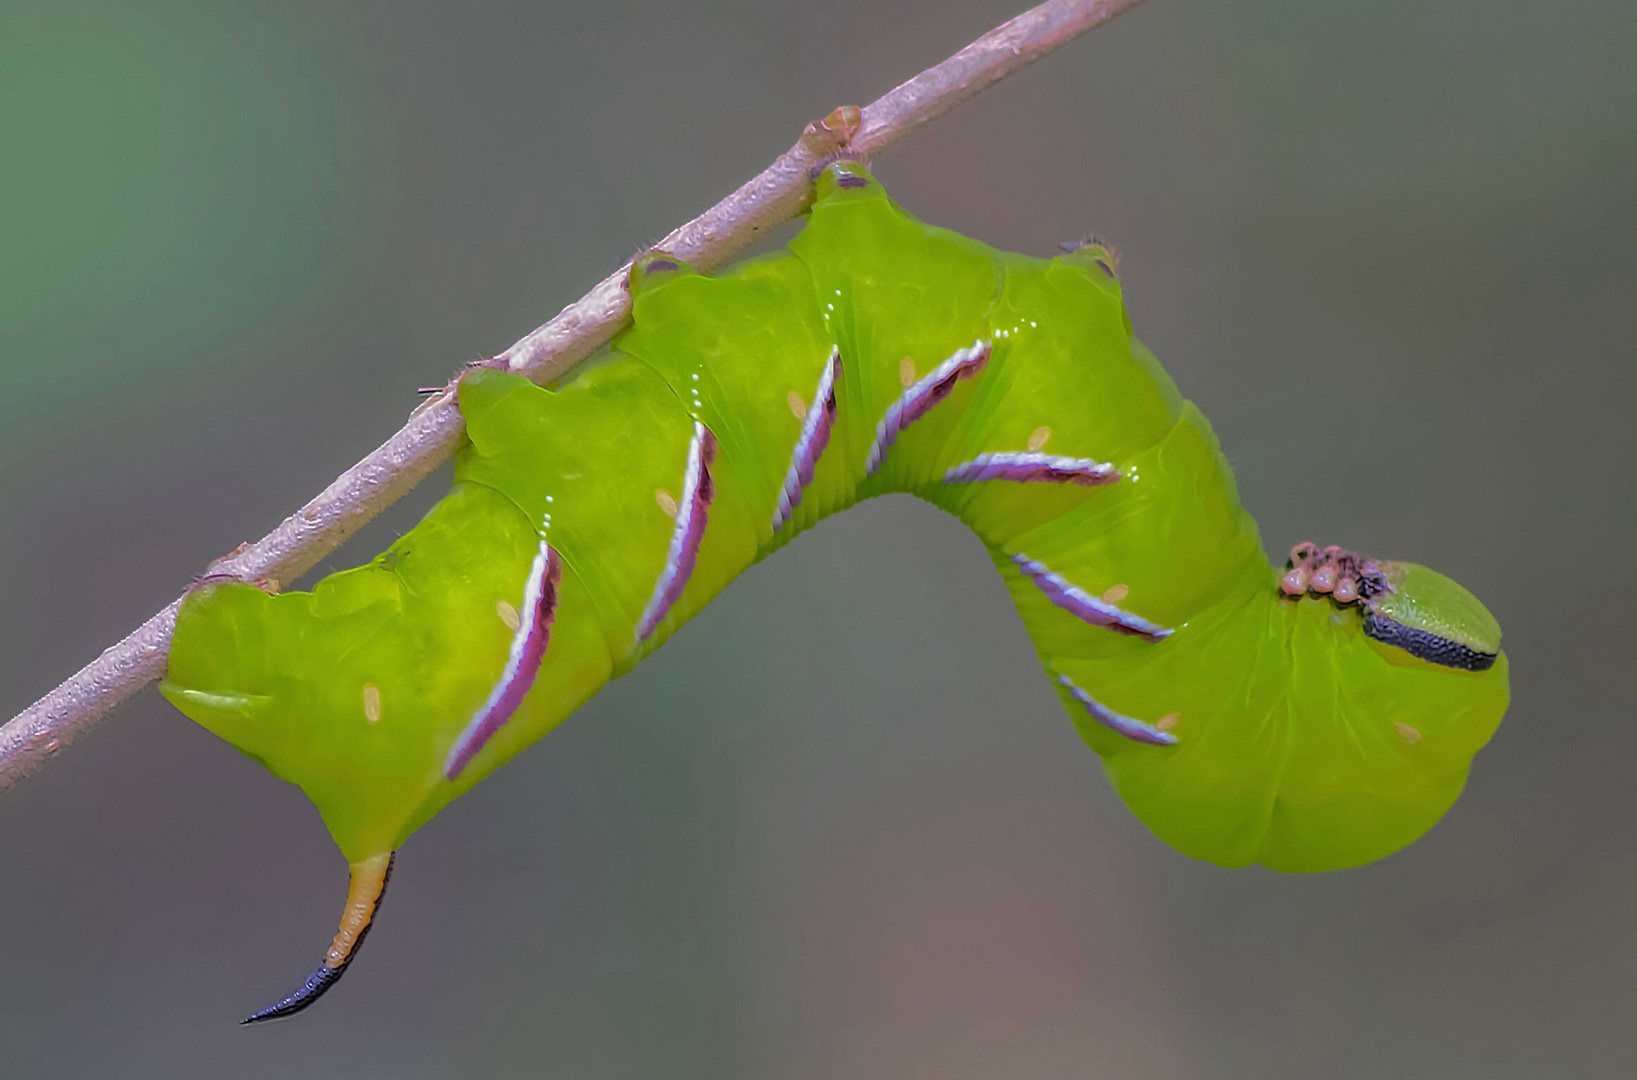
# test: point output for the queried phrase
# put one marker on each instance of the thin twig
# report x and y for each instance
(435, 429)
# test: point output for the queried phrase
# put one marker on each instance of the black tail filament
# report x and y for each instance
(366, 886)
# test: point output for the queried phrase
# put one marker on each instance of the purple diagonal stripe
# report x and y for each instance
(1132, 729)
(814, 437)
(1078, 602)
(528, 649)
(920, 398)
(1032, 468)
(697, 491)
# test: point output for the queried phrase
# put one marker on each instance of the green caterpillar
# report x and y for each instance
(1309, 718)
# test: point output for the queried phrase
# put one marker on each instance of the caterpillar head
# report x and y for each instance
(1406, 606)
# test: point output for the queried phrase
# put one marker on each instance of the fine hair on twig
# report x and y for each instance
(435, 428)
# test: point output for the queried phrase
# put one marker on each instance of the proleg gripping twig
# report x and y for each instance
(434, 429)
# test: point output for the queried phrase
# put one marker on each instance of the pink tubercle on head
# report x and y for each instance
(1324, 579)
(1345, 576)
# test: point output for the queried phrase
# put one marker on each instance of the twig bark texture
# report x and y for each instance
(435, 429)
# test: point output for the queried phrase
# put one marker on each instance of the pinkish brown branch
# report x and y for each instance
(435, 429)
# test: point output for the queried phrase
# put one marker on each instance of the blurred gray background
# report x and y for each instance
(839, 827)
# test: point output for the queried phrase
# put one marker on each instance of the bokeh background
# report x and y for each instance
(839, 827)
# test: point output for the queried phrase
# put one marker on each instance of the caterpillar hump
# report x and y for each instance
(1305, 718)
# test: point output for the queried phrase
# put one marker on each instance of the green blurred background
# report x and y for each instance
(839, 828)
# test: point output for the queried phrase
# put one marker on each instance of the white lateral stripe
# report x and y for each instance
(1008, 459)
(686, 509)
(892, 421)
(1131, 728)
(521, 639)
(817, 416)
(1077, 601)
